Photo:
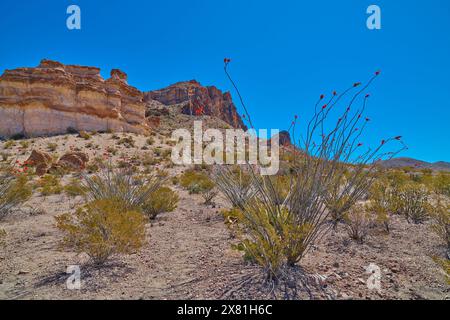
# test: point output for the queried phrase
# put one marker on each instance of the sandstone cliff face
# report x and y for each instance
(209, 100)
(53, 97)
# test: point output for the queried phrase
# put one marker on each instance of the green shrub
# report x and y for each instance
(270, 236)
(413, 202)
(2, 237)
(52, 146)
(150, 141)
(49, 184)
(382, 203)
(445, 265)
(196, 182)
(441, 184)
(24, 144)
(128, 142)
(123, 185)
(358, 223)
(441, 225)
(14, 191)
(74, 188)
(9, 144)
(103, 228)
(162, 200)
(84, 135)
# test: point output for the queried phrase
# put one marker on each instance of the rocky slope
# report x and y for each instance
(204, 100)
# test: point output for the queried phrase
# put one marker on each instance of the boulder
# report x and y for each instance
(41, 160)
(74, 161)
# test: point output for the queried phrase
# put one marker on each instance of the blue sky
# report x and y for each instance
(285, 54)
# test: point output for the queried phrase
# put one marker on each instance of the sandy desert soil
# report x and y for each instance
(188, 254)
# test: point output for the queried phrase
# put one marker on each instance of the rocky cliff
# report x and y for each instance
(53, 97)
(204, 100)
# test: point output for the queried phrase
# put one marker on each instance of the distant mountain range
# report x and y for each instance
(418, 164)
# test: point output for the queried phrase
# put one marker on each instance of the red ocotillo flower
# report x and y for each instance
(334, 93)
(359, 116)
(383, 141)
(367, 95)
(324, 106)
(367, 119)
(377, 72)
(322, 96)
(360, 144)
(348, 108)
(356, 84)
(226, 60)
(398, 138)
(296, 117)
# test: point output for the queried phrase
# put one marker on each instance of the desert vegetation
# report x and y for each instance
(116, 203)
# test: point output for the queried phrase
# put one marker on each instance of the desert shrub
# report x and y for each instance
(413, 202)
(397, 178)
(150, 141)
(128, 142)
(208, 194)
(338, 203)
(269, 236)
(49, 184)
(103, 228)
(441, 225)
(2, 237)
(9, 144)
(195, 181)
(84, 135)
(162, 200)
(175, 180)
(328, 153)
(74, 188)
(358, 222)
(4, 156)
(235, 184)
(24, 144)
(112, 150)
(441, 184)
(445, 265)
(14, 191)
(382, 202)
(123, 185)
(52, 146)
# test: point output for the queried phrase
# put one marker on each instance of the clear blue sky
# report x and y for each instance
(285, 53)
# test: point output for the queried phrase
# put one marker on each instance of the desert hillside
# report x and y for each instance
(188, 253)
(87, 181)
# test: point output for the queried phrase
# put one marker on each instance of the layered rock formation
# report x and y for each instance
(203, 100)
(53, 97)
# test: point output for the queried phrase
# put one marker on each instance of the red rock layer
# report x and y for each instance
(209, 100)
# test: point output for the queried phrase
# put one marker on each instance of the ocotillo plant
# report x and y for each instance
(327, 176)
